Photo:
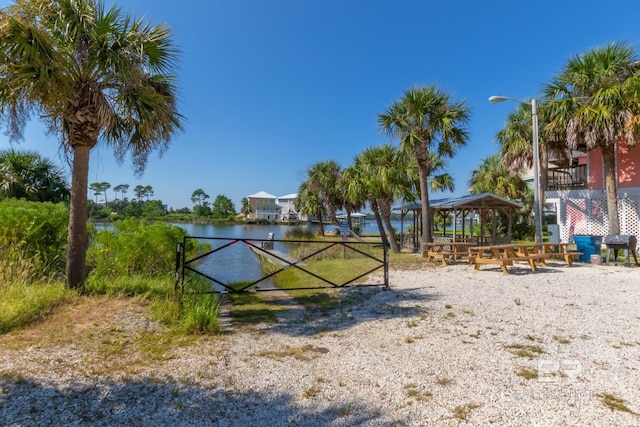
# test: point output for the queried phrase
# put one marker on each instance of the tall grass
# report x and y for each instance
(137, 260)
(22, 303)
(200, 314)
(25, 294)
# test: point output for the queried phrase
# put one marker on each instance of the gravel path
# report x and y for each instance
(443, 346)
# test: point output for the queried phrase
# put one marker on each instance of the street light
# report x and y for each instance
(537, 208)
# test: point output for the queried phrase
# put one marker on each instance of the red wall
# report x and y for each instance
(628, 164)
(596, 175)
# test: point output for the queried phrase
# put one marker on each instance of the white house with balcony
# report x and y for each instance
(288, 211)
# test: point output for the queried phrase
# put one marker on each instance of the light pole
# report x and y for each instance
(537, 207)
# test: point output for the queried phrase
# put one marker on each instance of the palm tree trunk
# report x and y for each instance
(376, 212)
(321, 223)
(426, 215)
(385, 212)
(612, 189)
(77, 239)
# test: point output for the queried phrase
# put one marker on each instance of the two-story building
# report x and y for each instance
(576, 193)
(288, 211)
(264, 206)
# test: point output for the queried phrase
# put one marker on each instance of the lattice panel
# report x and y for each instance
(589, 215)
(629, 209)
(597, 217)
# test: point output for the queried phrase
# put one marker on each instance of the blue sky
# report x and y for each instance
(270, 87)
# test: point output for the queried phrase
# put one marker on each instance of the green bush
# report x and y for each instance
(136, 248)
(36, 232)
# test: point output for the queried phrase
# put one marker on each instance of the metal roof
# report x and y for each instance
(262, 195)
(471, 202)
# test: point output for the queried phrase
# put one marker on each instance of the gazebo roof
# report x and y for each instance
(470, 201)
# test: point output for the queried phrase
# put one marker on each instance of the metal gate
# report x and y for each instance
(265, 248)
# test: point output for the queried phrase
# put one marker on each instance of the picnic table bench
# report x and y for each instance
(531, 253)
(448, 251)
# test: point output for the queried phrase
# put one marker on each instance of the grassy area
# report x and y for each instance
(337, 265)
(25, 296)
(26, 293)
(249, 309)
(22, 303)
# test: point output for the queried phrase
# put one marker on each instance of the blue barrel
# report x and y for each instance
(588, 245)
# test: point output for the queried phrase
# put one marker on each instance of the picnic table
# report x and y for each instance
(528, 252)
(448, 250)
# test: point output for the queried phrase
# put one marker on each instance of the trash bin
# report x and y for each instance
(588, 245)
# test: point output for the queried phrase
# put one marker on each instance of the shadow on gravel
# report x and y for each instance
(309, 315)
(161, 403)
(519, 270)
(523, 269)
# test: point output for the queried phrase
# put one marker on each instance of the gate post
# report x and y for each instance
(179, 247)
(386, 265)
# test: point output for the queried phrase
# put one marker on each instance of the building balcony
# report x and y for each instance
(563, 179)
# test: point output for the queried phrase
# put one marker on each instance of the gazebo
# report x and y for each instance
(463, 208)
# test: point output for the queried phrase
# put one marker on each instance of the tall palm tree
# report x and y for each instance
(594, 103)
(27, 175)
(92, 74)
(427, 122)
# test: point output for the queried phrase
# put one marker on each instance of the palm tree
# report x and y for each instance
(594, 103)
(493, 176)
(308, 203)
(516, 144)
(427, 122)
(246, 207)
(92, 74)
(381, 174)
(324, 178)
(27, 175)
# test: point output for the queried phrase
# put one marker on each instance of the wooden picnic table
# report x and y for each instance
(448, 250)
(529, 252)
(558, 250)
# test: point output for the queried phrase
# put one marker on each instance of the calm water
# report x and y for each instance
(237, 262)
